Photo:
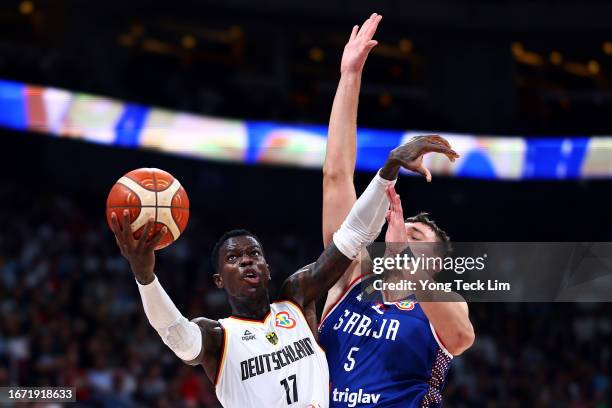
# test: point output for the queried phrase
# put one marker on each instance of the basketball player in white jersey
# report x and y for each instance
(264, 355)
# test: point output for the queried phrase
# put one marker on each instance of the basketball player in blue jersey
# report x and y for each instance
(382, 352)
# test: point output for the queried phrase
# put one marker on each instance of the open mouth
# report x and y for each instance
(251, 277)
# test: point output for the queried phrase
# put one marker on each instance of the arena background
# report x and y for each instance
(69, 309)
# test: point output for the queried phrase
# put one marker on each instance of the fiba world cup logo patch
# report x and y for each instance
(405, 305)
(284, 320)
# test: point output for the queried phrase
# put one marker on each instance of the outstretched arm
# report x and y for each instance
(193, 342)
(340, 155)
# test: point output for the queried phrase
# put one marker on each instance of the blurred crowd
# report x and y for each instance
(70, 315)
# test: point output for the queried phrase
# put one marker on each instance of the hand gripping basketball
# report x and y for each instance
(147, 209)
(150, 193)
(139, 253)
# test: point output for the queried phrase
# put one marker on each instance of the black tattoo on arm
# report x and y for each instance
(314, 280)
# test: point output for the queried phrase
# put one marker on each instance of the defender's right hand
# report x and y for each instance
(139, 253)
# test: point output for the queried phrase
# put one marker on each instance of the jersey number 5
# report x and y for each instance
(285, 384)
(351, 361)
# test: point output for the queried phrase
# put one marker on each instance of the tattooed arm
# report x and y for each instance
(314, 280)
(361, 227)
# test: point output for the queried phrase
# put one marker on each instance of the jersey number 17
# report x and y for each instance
(285, 384)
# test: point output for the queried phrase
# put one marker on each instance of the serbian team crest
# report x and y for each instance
(284, 320)
(405, 305)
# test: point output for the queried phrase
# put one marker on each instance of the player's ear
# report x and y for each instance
(218, 280)
(269, 274)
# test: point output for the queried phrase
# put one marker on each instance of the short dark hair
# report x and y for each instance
(214, 258)
(423, 217)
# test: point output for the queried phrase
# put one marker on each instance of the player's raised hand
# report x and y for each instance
(410, 154)
(139, 252)
(359, 45)
(396, 230)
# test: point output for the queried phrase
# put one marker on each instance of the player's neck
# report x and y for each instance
(256, 309)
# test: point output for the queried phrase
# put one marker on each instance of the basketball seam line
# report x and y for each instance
(154, 180)
(155, 183)
(148, 206)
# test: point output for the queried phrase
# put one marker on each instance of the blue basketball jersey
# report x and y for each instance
(382, 354)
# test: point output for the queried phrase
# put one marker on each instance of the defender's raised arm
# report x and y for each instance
(339, 166)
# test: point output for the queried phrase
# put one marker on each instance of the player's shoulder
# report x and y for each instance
(286, 304)
(284, 310)
(293, 286)
(351, 294)
(358, 287)
(297, 275)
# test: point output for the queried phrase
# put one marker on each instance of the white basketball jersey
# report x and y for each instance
(272, 363)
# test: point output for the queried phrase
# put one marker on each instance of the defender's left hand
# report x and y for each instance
(359, 45)
(396, 230)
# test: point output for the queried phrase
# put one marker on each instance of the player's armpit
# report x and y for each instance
(212, 346)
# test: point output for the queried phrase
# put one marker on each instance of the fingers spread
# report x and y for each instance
(440, 139)
(425, 172)
(421, 170)
(438, 148)
(157, 237)
(115, 227)
(363, 28)
(374, 25)
(354, 33)
(398, 203)
(366, 25)
(125, 225)
(399, 210)
(145, 233)
(390, 198)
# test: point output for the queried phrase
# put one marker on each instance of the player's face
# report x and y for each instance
(419, 232)
(420, 237)
(243, 270)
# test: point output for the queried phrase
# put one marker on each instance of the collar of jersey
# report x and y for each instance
(247, 320)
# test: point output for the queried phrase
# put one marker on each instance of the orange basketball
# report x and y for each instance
(147, 193)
